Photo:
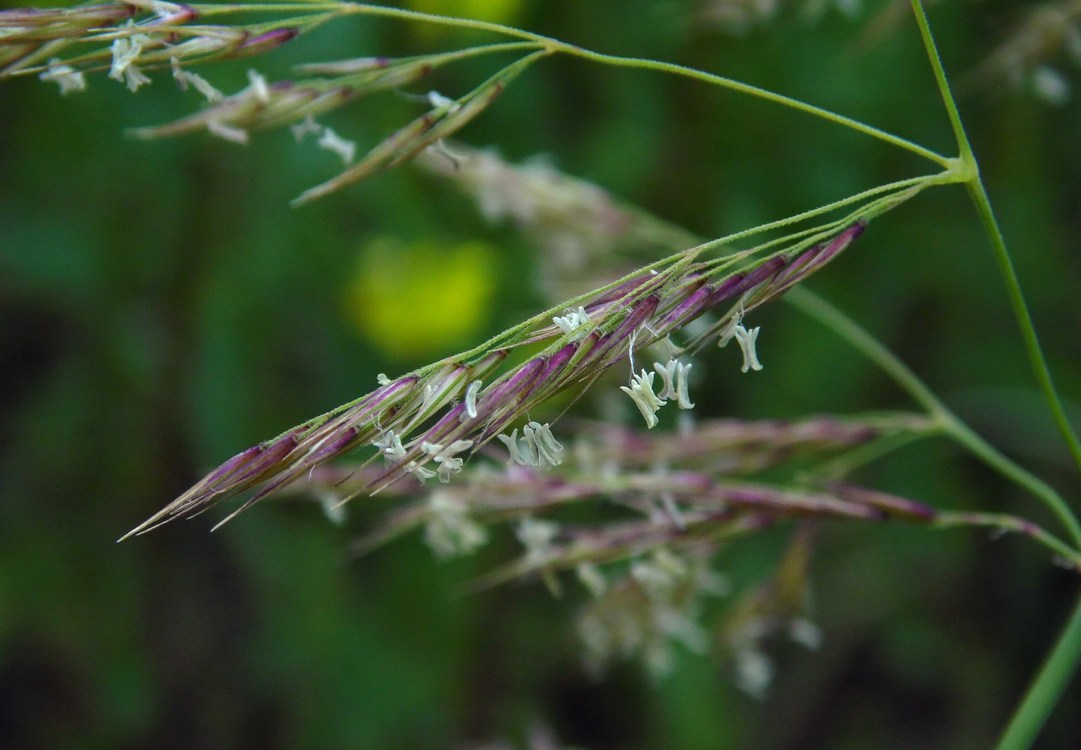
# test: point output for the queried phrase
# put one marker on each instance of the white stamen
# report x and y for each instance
(471, 399)
(448, 467)
(126, 51)
(545, 437)
(543, 447)
(420, 472)
(458, 446)
(530, 446)
(435, 449)
(746, 340)
(390, 445)
(134, 78)
(438, 101)
(160, 9)
(331, 141)
(674, 377)
(64, 76)
(178, 74)
(382, 379)
(538, 447)
(574, 320)
(259, 87)
(727, 333)
(516, 455)
(302, 129)
(683, 398)
(227, 132)
(641, 392)
(443, 456)
(204, 87)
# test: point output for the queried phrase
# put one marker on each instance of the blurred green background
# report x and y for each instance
(162, 308)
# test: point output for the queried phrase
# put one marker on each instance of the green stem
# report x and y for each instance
(849, 330)
(1020, 310)
(1005, 523)
(744, 88)
(466, 53)
(1046, 689)
(943, 84)
(911, 184)
(1062, 662)
(207, 10)
(1002, 256)
(626, 62)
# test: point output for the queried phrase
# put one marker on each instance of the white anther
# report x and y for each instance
(444, 457)
(438, 101)
(126, 51)
(543, 447)
(308, 126)
(185, 78)
(471, 399)
(641, 392)
(746, 340)
(390, 445)
(674, 377)
(514, 449)
(331, 141)
(574, 320)
(259, 88)
(65, 76)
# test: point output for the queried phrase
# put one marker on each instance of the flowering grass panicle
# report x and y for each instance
(675, 501)
(627, 316)
(128, 38)
(470, 441)
(662, 476)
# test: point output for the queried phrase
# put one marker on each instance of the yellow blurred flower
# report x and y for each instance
(422, 299)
